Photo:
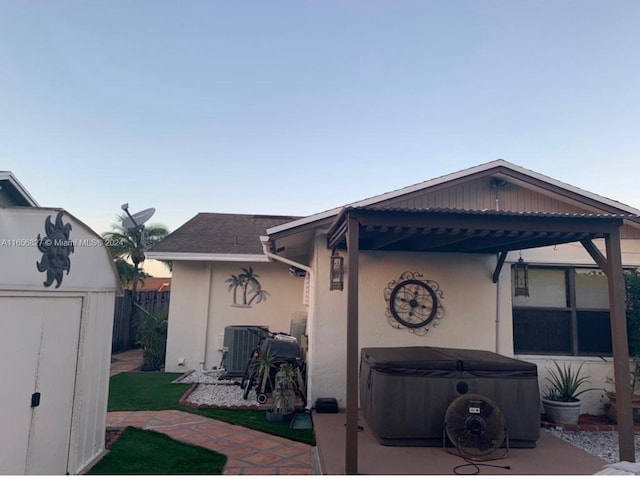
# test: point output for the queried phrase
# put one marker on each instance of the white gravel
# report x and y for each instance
(214, 392)
(601, 444)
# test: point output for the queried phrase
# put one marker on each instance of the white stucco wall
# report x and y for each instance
(471, 312)
(469, 305)
(201, 308)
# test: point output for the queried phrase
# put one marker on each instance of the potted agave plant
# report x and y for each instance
(561, 402)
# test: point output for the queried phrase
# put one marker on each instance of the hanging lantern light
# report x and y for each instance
(521, 278)
(336, 275)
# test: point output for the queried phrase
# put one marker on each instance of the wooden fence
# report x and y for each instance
(124, 324)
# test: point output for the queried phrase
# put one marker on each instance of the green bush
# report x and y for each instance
(151, 334)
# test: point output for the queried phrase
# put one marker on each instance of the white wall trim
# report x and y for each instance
(201, 256)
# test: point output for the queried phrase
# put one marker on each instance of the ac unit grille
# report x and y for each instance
(241, 340)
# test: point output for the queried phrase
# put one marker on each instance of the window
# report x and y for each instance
(566, 312)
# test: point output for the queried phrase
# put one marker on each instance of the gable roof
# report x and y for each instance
(12, 190)
(218, 237)
(499, 167)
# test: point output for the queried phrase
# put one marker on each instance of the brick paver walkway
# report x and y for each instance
(248, 451)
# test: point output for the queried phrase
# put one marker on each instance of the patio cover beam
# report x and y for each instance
(501, 258)
(346, 230)
(617, 311)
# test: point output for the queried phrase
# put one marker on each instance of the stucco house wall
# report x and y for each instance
(473, 315)
(202, 306)
(468, 302)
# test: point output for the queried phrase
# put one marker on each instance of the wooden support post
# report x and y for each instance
(620, 346)
(351, 444)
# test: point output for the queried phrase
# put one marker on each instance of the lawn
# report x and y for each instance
(146, 452)
(154, 391)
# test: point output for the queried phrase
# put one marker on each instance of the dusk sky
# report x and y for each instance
(295, 107)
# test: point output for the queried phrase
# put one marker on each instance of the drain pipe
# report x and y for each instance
(203, 368)
(498, 315)
(310, 315)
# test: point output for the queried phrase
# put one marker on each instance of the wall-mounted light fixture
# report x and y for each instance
(521, 278)
(336, 275)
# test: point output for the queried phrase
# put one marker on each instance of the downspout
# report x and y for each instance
(310, 316)
(206, 322)
(498, 314)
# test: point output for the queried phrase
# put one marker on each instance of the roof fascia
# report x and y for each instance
(8, 176)
(201, 256)
(510, 169)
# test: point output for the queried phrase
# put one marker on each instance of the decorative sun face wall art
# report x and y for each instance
(56, 248)
(413, 303)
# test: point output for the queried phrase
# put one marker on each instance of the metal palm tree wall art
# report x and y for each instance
(251, 289)
(413, 303)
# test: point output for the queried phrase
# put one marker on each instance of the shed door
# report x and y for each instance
(38, 354)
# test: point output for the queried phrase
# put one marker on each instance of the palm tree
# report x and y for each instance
(131, 245)
(125, 273)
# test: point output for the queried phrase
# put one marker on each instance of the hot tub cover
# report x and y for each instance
(439, 361)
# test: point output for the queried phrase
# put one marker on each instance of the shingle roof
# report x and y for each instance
(220, 233)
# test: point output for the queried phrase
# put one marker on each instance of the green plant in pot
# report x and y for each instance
(283, 396)
(561, 402)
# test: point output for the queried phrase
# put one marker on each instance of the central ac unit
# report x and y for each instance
(240, 341)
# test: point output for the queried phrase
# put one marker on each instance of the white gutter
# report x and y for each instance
(205, 256)
(310, 316)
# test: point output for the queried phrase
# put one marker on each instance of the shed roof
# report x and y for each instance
(13, 191)
(218, 234)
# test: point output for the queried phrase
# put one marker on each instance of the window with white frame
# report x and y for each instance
(566, 313)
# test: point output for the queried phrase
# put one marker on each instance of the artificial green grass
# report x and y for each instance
(154, 391)
(145, 391)
(146, 452)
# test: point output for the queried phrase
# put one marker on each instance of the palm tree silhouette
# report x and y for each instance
(234, 283)
(250, 285)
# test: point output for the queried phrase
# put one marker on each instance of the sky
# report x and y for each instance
(296, 107)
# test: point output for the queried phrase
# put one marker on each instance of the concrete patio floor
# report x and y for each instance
(552, 456)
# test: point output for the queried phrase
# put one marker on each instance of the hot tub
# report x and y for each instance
(405, 392)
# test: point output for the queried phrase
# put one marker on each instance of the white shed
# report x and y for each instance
(57, 290)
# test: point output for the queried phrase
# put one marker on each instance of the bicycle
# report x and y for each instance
(272, 350)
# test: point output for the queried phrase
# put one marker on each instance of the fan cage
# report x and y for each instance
(476, 427)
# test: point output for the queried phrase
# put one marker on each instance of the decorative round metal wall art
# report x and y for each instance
(413, 302)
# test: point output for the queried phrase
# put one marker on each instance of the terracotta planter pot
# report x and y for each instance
(562, 412)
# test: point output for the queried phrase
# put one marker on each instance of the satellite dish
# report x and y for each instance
(137, 219)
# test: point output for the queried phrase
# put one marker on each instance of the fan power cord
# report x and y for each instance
(476, 466)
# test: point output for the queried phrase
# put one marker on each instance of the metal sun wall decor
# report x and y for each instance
(413, 302)
(56, 247)
(247, 281)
